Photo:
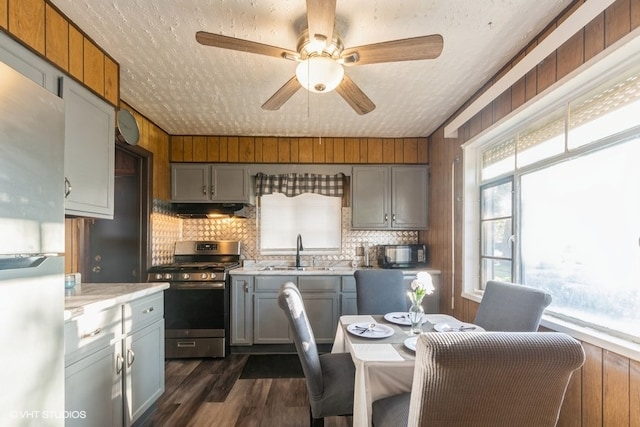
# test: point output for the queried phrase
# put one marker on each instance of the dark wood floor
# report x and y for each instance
(208, 392)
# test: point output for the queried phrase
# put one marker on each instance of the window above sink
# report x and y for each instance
(315, 217)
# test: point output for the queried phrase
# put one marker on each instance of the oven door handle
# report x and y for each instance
(197, 285)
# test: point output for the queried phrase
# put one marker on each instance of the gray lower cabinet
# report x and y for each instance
(93, 388)
(114, 363)
(348, 296)
(256, 317)
(241, 310)
(143, 355)
(92, 391)
(321, 296)
(270, 324)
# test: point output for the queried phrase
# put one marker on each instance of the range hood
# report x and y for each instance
(209, 210)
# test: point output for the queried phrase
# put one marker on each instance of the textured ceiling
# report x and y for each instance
(187, 88)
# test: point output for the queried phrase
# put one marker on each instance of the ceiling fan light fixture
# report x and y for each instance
(319, 74)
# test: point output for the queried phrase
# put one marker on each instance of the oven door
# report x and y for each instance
(195, 309)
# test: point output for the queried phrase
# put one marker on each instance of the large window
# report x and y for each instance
(558, 207)
(580, 225)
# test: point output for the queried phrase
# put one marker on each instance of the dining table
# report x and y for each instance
(383, 352)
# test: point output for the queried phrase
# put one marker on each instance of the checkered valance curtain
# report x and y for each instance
(294, 184)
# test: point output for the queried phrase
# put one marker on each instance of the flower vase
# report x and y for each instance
(416, 316)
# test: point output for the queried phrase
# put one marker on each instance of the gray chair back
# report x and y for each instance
(290, 300)
(492, 379)
(380, 291)
(511, 307)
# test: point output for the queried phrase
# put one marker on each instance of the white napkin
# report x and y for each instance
(346, 320)
(376, 352)
(438, 318)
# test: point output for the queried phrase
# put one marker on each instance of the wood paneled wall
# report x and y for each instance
(155, 140)
(606, 390)
(41, 27)
(249, 149)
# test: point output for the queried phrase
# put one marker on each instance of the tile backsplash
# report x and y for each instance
(167, 229)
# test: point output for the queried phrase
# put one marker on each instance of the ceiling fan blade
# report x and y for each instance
(225, 42)
(416, 48)
(354, 96)
(282, 95)
(321, 16)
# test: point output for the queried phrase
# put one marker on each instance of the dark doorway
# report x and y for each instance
(117, 249)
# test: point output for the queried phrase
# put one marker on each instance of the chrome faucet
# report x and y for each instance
(298, 249)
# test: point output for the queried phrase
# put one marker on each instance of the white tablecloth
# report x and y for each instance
(384, 367)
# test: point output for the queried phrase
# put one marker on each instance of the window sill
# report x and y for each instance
(608, 342)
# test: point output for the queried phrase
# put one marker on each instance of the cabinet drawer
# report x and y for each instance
(319, 283)
(144, 311)
(92, 330)
(272, 283)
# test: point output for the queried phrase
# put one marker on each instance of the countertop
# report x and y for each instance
(88, 297)
(260, 270)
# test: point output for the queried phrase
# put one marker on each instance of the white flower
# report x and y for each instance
(422, 285)
(423, 282)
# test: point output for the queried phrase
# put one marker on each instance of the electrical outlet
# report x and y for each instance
(359, 251)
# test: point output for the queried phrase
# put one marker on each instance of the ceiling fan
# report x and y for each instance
(321, 56)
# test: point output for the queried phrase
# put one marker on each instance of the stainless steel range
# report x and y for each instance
(196, 305)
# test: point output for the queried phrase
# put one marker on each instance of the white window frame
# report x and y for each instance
(625, 55)
(303, 225)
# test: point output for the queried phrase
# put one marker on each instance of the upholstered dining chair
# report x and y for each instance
(489, 379)
(380, 291)
(330, 377)
(511, 307)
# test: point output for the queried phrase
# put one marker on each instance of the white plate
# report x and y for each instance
(363, 330)
(400, 318)
(457, 327)
(411, 342)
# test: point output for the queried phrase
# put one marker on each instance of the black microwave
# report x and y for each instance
(402, 256)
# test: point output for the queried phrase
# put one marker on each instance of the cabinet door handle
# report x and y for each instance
(131, 356)
(213, 190)
(186, 344)
(148, 310)
(246, 288)
(92, 333)
(393, 218)
(67, 187)
(204, 190)
(386, 217)
(119, 363)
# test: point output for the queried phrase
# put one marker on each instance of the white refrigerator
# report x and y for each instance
(31, 253)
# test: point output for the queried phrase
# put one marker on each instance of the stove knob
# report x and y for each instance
(167, 276)
(213, 276)
(204, 275)
(185, 276)
(158, 276)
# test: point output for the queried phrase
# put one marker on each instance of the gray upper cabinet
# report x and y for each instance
(389, 197)
(197, 182)
(89, 152)
(28, 64)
